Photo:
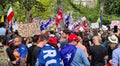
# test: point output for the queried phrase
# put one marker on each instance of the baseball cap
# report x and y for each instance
(73, 37)
(52, 40)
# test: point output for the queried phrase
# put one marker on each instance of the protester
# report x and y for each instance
(48, 55)
(111, 46)
(2, 30)
(35, 41)
(80, 45)
(35, 53)
(97, 53)
(116, 56)
(71, 55)
(17, 52)
(65, 33)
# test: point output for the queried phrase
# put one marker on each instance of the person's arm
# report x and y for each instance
(115, 59)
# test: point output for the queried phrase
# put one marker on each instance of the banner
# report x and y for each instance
(29, 29)
(95, 25)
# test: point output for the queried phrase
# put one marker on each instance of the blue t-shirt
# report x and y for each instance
(48, 56)
(23, 51)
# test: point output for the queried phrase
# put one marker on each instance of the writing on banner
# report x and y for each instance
(95, 25)
(29, 29)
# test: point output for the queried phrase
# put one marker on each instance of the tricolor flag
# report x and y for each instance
(67, 20)
(10, 15)
(59, 17)
(49, 22)
(99, 19)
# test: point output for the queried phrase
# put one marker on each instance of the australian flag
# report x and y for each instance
(67, 20)
(67, 54)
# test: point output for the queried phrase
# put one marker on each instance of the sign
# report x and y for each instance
(83, 18)
(29, 29)
(95, 25)
(114, 22)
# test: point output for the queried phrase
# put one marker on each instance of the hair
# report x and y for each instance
(95, 32)
(44, 37)
(66, 31)
(98, 38)
(19, 37)
(35, 38)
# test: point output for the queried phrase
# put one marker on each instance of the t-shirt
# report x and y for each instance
(48, 56)
(35, 55)
(2, 31)
(30, 51)
(98, 52)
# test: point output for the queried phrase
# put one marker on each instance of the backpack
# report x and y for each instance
(4, 59)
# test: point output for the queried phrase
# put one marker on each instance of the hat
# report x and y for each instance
(113, 39)
(73, 37)
(52, 40)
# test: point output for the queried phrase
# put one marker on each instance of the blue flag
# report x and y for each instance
(67, 54)
(101, 19)
(50, 20)
(42, 27)
(67, 20)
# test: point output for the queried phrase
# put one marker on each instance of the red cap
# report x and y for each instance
(73, 37)
(52, 40)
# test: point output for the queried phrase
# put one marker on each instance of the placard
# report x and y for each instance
(95, 25)
(29, 29)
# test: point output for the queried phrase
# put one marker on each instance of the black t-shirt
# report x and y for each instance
(30, 51)
(98, 52)
(35, 55)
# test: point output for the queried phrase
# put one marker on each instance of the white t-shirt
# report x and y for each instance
(2, 31)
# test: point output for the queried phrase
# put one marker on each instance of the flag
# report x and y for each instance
(59, 17)
(2, 19)
(99, 19)
(67, 54)
(10, 14)
(85, 25)
(67, 20)
(42, 27)
(49, 22)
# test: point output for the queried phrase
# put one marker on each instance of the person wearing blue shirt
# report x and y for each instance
(48, 56)
(73, 56)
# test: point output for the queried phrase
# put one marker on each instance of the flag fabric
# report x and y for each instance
(49, 22)
(99, 19)
(84, 25)
(59, 17)
(67, 20)
(42, 27)
(2, 19)
(10, 14)
(67, 54)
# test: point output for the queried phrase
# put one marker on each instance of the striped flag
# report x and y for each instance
(10, 15)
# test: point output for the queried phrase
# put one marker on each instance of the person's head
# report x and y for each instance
(53, 41)
(73, 39)
(113, 39)
(97, 40)
(44, 38)
(65, 33)
(35, 38)
(17, 40)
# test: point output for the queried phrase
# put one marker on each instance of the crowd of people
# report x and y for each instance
(92, 47)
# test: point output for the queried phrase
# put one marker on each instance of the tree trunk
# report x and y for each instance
(101, 7)
(28, 16)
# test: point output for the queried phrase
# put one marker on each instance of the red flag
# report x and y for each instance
(59, 17)
(10, 15)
